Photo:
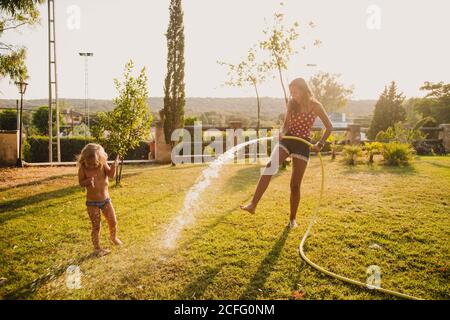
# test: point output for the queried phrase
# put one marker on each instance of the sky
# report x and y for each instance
(369, 43)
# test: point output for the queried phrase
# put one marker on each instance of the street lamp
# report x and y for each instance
(22, 86)
(86, 55)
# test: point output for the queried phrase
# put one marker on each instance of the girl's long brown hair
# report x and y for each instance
(295, 107)
(303, 86)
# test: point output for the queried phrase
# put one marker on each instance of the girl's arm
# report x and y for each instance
(83, 180)
(322, 114)
(111, 171)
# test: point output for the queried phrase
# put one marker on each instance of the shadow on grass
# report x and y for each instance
(437, 164)
(195, 289)
(15, 204)
(247, 176)
(242, 178)
(376, 169)
(29, 289)
(265, 268)
(38, 182)
(11, 205)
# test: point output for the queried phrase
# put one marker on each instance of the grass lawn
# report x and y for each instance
(226, 253)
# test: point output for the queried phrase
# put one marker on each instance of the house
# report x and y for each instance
(72, 118)
(338, 119)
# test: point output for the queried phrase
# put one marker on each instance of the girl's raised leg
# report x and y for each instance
(265, 178)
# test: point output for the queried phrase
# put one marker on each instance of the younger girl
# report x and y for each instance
(302, 111)
(93, 174)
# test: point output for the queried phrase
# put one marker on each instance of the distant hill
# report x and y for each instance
(245, 107)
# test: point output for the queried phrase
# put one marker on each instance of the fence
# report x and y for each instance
(353, 136)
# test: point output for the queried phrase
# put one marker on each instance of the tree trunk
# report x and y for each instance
(258, 101)
(282, 85)
(117, 175)
(120, 173)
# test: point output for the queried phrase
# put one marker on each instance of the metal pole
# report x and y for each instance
(58, 141)
(86, 56)
(50, 115)
(19, 161)
(17, 114)
(86, 107)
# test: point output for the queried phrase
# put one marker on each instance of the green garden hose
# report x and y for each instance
(311, 223)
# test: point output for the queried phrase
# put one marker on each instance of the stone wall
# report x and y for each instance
(445, 136)
(162, 149)
(9, 146)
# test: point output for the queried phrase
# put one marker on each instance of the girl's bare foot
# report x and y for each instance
(117, 241)
(249, 208)
(101, 252)
(293, 224)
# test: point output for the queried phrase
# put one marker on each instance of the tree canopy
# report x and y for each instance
(15, 14)
(388, 111)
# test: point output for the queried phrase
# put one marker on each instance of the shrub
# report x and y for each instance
(372, 149)
(26, 154)
(71, 147)
(8, 120)
(351, 154)
(334, 140)
(395, 153)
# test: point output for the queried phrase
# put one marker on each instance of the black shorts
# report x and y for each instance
(296, 149)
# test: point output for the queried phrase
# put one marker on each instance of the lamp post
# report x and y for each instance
(22, 86)
(86, 55)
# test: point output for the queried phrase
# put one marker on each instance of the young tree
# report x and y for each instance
(248, 72)
(174, 87)
(388, 111)
(436, 103)
(327, 89)
(40, 120)
(14, 14)
(412, 115)
(129, 123)
(278, 45)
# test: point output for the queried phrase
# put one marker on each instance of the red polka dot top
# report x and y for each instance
(300, 124)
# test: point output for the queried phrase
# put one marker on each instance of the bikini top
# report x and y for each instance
(300, 123)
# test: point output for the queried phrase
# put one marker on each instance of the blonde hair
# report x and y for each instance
(92, 151)
(303, 86)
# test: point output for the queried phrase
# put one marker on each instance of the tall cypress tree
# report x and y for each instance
(174, 87)
(388, 111)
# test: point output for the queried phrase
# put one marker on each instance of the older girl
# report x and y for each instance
(302, 111)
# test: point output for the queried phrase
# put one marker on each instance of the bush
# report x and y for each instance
(8, 120)
(396, 153)
(351, 154)
(26, 154)
(71, 147)
(372, 149)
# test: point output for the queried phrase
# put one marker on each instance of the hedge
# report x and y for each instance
(71, 147)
